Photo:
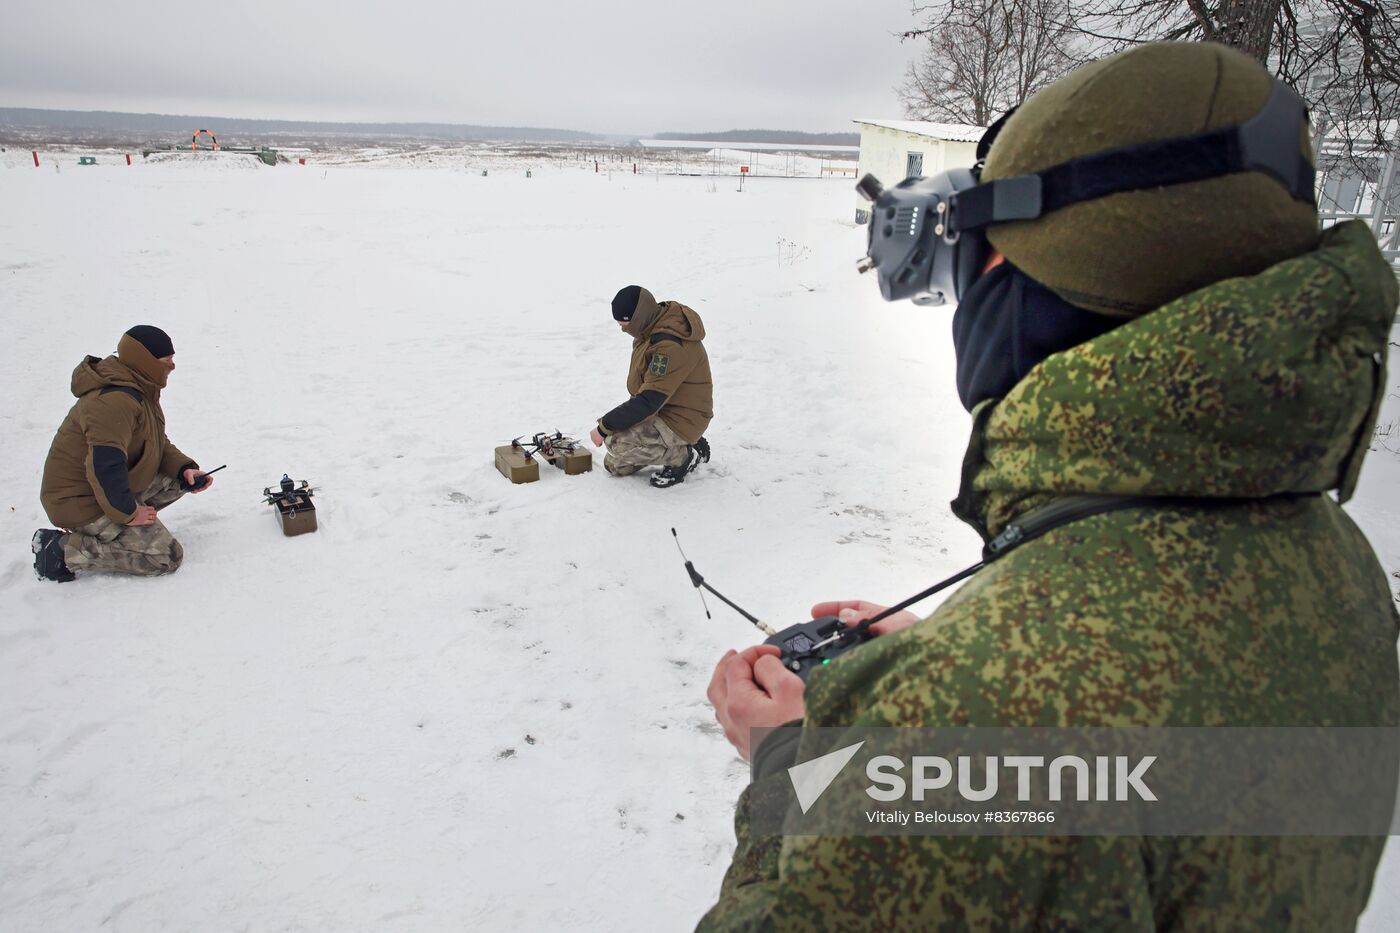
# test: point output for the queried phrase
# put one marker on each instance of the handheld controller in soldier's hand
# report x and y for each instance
(809, 645)
(203, 480)
(804, 646)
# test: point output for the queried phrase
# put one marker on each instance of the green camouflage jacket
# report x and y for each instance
(1275, 613)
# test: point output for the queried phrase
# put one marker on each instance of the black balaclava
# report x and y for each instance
(1006, 324)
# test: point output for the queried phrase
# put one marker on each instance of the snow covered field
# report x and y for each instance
(474, 158)
(462, 703)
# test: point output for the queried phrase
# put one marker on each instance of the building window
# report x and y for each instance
(914, 166)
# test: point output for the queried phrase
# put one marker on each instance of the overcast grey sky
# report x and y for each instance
(612, 66)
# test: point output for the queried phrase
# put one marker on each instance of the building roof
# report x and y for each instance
(953, 132)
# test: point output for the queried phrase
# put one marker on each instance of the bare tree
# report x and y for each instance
(983, 57)
(1343, 56)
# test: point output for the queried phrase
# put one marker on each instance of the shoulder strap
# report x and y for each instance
(1071, 509)
(1063, 512)
(125, 390)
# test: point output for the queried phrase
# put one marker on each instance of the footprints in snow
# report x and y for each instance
(625, 818)
(506, 754)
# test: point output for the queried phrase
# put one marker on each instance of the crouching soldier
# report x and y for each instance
(111, 468)
(664, 422)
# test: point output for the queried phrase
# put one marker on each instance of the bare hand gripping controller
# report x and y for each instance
(806, 645)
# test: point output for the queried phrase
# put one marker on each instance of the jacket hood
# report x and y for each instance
(1249, 387)
(676, 318)
(94, 373)
(142, 362)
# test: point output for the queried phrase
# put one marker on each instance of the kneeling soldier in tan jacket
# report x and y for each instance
(663, 423)
(111, 468)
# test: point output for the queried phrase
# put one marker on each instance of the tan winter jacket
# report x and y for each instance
(669, 377)
(112, 445)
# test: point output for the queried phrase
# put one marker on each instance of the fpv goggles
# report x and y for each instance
(928, 237)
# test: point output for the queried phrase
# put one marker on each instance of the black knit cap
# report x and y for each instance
(153, 339)
(625, 302)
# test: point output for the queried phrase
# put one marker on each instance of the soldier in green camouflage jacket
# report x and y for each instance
(1249, 373)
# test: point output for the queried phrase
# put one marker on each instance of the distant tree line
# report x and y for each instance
(777, 137)
(181, 126)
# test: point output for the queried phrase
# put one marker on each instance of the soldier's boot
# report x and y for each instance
(47, 546)
(672, 475)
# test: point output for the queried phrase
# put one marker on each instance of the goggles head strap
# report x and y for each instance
(1268, 142)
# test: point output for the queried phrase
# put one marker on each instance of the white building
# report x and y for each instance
(893, 150)
(1365, 186)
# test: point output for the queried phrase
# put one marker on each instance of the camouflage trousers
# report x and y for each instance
(145, 550)
(651, 443)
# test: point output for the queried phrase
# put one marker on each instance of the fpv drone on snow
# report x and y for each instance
(547, 446)
(517, 461)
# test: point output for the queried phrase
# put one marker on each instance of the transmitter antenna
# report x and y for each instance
(699, 583)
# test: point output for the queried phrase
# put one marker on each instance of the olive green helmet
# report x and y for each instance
(1131, 252)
